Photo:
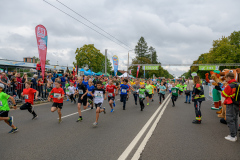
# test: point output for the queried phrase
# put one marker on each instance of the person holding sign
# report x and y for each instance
(82, 91)
(111, 96)
(28, 94)
(98, 93)
(57, 95)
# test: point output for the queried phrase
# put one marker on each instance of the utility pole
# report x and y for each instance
(128, 65)
(105, 61)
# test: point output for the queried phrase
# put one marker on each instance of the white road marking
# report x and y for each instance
(130, 147)
(75, 113)
(149, 134)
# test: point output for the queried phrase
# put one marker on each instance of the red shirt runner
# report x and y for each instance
(29, 95)
(110, 89)
(55, 93)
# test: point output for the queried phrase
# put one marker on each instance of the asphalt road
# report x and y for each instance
(175, 137)
(45, 139)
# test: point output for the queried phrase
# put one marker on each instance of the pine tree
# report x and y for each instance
(141, 49)
(153, 54)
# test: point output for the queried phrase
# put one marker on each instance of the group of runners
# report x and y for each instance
(90, 93)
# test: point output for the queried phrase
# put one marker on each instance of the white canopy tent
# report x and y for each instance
(124, 75)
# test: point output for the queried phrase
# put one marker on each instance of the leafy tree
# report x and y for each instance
(224, 50)
(37, 59)
(90, 57)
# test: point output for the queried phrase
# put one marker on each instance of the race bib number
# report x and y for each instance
(174, 91)
(98, 95)
(26, 96)
(80, 91)
(147, 90)
(1, 103)
(56, 95)
(124, 91)
(137, 90)
(71, 92)
(110, 94)
(141, 95)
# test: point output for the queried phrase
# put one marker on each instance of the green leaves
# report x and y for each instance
(90, 57)
(147, 56)
(224, 50)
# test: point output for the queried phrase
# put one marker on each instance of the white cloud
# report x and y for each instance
(179, 30)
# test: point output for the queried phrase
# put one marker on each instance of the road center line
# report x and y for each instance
(149, 134)
(130, 147)
(75, 113)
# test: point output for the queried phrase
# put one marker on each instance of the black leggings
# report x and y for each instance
(141, 102)
(71, 97)
(135, 95)
(161, 96)
(28, 106)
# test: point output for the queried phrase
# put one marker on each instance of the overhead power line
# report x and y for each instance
(92, 23)
(84, 24)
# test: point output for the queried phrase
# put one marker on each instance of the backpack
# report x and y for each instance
(236, 99)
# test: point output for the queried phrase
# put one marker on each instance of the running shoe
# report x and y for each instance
(32, 109)
(112, 110)
(79, 120)
(10, 121)
(67, 99)
(152, 100)
(71, 101)
(13, 130)
(114, 104)
(147, 104)
(74, 102)
(34, 117)
(95, 124)
(104, 110)
(91, 107)
(60, 121)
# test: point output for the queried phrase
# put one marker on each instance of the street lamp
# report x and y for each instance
(128, 62)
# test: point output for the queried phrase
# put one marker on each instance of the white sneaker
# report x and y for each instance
(95, 124)
(236, 138)
(232, 139)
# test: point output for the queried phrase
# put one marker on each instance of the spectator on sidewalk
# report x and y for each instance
(4, 80)
(24, 79)
(34, 81)
(232, 109)
(19, 86)
(38, 68)
(189, 90)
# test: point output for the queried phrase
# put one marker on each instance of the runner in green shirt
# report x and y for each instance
(142, 92)
(67, 90)
(149, 89)
(174, 91)
(4, 109)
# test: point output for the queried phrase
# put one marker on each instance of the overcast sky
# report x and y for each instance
(179, 30)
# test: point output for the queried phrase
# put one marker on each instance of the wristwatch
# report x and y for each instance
(15, 105)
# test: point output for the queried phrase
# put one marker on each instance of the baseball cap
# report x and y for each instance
(1, 85)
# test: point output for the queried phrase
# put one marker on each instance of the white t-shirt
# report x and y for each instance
(169, 86)
(98, 95)
(71, 89)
